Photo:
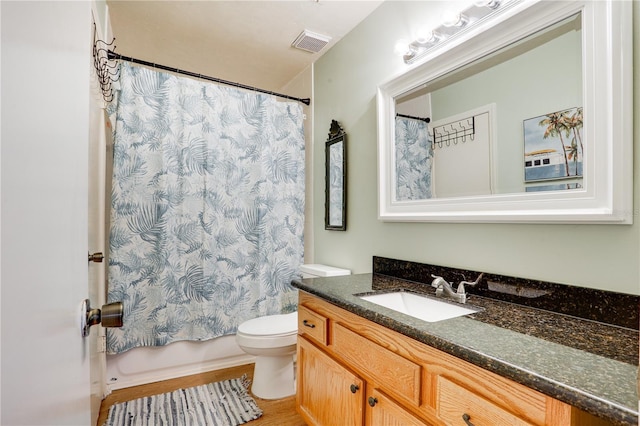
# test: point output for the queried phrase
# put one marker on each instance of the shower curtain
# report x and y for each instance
(207, 208)
(414, 159)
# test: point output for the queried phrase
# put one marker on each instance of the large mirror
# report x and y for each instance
(525, 117)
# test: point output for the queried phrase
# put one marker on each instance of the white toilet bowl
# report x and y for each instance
(272, 339)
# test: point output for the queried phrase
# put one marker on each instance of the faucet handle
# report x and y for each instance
(460, 289)
(473, 282)
(437, 281)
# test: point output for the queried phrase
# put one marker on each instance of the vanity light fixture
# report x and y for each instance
(452, 23)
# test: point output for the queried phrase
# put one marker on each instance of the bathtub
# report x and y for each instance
(144, 365)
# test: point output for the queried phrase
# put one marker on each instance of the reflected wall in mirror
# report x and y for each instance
(336, 173)
(491, 128)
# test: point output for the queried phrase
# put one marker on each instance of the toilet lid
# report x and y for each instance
(271, 325)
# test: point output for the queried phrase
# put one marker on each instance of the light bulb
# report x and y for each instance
(451, 18)
(402, 47)
(425, 36)
(491, 4)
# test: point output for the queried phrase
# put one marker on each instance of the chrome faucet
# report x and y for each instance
(444, 288)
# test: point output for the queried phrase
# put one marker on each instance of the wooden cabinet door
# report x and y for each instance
(382, 411)
(327, 393)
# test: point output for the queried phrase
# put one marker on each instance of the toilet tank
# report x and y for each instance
(317, 270)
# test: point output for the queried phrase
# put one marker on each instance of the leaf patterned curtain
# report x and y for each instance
(207, 208)
(414, 159)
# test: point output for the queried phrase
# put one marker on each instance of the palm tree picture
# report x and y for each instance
(553, 146)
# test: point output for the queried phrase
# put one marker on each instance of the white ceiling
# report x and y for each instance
(248, 42)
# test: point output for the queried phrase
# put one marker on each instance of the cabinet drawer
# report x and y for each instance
(312, 324)
(455, 401)
(396, 375)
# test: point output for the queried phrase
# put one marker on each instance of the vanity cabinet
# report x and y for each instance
(352, 371)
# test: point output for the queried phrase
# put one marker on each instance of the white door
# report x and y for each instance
(45, 84)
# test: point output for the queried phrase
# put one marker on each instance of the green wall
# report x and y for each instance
(345, 82)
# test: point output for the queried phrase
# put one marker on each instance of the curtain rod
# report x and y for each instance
(425, 119)
(112, 55)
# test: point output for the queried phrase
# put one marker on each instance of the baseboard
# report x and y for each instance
(180, 371)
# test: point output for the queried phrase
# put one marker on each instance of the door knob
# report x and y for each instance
(96, 257)
(110, 316)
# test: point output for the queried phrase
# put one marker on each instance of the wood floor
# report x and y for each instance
(275, 412)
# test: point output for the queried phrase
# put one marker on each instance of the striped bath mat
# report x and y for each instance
(225, 403)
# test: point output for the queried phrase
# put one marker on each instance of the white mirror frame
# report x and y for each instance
(607, 196)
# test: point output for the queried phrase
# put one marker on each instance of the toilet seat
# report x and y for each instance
(271, 331)
(271, 326)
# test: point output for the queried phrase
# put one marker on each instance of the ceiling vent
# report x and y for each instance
(311, 42)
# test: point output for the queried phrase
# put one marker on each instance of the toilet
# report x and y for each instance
(272, 339)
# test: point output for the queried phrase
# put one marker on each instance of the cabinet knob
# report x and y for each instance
(373, 401)
(466, 419)
(308, 324)
(354, 388)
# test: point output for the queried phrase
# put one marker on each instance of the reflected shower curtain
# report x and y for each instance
(414, 159)
(207, 208)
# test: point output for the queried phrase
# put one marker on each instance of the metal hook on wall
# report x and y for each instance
(107, 71)
(457, 132)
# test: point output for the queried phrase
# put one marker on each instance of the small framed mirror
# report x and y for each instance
(335, 218)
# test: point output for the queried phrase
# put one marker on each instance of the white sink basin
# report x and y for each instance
(424, 308)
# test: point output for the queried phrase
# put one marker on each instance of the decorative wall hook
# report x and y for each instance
(455, 132)
(107, 70)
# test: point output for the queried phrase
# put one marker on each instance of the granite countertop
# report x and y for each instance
(588, 364)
